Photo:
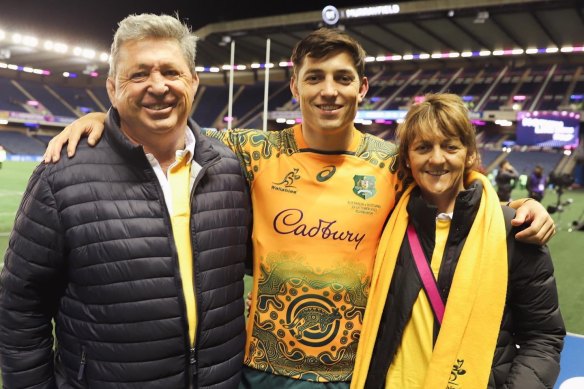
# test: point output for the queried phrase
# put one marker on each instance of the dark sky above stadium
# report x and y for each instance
(92, 22)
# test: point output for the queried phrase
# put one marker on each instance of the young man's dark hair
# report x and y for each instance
(324, 42)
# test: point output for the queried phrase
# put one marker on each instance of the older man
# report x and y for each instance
(134, 249)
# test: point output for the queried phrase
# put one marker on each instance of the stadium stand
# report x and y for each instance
(43, 138)
(488, 157)
(390, 90)
(210, 102)
(16, 142)
(100, 94)
(524, 162)
(11, 98)
(51, 101)
(77, 99)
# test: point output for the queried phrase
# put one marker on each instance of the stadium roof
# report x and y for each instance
(394, 33)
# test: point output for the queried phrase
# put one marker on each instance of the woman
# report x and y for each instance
(492, 317)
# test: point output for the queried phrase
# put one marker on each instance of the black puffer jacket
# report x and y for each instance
(92, 248)
(531, 318)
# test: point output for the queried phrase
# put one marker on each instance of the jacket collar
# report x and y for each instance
(423, 215)
(204, 151)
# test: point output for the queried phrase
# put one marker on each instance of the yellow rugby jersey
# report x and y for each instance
(317, 220)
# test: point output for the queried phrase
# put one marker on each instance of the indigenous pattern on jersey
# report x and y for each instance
(317, 222)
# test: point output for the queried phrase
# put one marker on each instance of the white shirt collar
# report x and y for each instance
(189, 148)
(445, 216)
(163, 180)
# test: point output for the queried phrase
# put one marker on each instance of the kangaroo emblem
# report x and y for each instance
(316, 318)
(289, 178)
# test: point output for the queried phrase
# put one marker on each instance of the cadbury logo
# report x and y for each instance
(290, 221)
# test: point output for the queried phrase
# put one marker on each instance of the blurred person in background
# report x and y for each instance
(536, 183)
(467, 305)
(2, 156)
(506, 180)
(136, 248)
(523, 181)
(321, 192)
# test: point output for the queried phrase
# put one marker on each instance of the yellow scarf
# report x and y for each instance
(463, 353)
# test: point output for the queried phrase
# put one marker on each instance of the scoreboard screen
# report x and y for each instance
(548, 129)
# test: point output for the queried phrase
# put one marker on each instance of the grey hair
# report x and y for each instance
(144, 26)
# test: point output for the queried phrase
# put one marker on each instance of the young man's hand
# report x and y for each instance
(90, 125)
(541, 225)
(248, 303)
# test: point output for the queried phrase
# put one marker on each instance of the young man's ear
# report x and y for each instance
(294, 87)
(363, 88)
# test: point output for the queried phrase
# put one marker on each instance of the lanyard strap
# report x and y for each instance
(426, 275)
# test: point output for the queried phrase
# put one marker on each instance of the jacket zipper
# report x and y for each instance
(193, 367)
(192, 351)
(82, 364)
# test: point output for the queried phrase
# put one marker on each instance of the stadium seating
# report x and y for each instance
(77, 99)
(488, 156)
(482, 88)
(40, 92)
(493, 86)
(524, 162)
(210, 102)
(19, 143)
(101, 95)
(11, 98)
(43, 138)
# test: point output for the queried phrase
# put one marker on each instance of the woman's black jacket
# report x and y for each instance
(532, 331)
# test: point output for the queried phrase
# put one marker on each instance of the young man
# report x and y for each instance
(321, 192)
(135, 249)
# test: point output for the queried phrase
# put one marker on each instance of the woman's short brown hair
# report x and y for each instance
(443, 113)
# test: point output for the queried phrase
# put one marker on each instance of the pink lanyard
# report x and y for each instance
(426, 275)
